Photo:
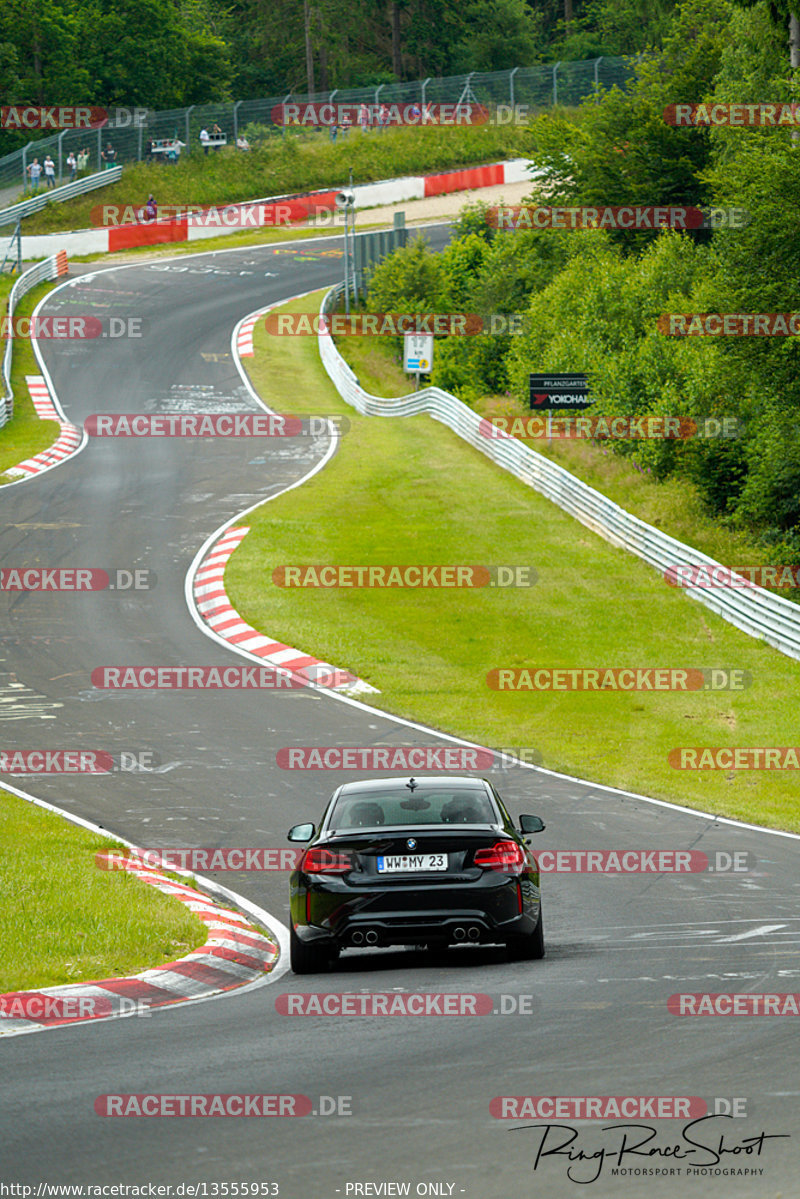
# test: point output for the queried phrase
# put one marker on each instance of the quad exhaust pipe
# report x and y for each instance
(357, 938)
(372, 937)
(459, 933)
(473, 932)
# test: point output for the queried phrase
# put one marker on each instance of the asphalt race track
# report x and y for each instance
(594, 1020)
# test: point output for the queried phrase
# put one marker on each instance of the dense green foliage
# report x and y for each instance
(592, 298)
(166, 54)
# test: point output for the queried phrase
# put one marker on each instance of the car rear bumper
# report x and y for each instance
(406, 916)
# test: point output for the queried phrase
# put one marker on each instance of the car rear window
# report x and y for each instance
(375, 809)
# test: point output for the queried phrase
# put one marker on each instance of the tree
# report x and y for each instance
(140, 52)
(620, 150)
(498, 35)
(44, 60)
(309, 48)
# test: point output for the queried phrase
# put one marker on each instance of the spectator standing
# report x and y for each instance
(83, 159)
(383, 117)
(346, 123)
(216, 132)
(35, 172)
(72, 163)
(363, 118)
(151, 209)
(49, 172)
(204, 139)
(109, 156)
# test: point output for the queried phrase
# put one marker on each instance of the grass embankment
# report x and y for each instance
(294, 164)
(410, 491)
(673, 506)
(25, 434)
(63, 920)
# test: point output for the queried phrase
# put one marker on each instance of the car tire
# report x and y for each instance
(530, 947)
(308, 959)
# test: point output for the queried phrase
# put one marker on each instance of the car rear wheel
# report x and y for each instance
(308, 959)
(530, 947)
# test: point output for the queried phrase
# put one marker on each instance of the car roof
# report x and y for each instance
(428, 781)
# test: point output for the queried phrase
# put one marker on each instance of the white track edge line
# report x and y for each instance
(422, 728)
(276, 928)
(84, 440)
(336, 695)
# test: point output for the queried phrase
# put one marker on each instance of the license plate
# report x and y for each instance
(411, 863)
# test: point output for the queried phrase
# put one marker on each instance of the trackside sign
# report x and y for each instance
(559, 391)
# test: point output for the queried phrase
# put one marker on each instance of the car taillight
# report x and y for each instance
(318, 860)
(503, 855)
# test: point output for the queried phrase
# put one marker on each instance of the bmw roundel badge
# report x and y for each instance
(411, 843)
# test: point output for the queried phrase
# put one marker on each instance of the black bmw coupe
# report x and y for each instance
(432, 861)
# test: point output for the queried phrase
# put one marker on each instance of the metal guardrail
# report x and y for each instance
(11, 249)
(10, 216)
(755, 611)
(48, 268)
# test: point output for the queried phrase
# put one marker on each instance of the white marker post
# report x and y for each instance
(418, 354)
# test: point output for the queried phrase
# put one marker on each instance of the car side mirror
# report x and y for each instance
(531, 824)
(301, 832)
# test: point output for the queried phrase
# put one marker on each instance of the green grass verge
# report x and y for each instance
(25, 434)
(410, 491)
(295, 164)
(378, 367)
(63, 920)
(675, 506)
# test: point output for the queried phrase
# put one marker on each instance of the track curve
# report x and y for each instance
(420, 1088)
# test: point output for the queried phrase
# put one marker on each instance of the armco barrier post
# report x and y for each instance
(189, 111)
(13, 253)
